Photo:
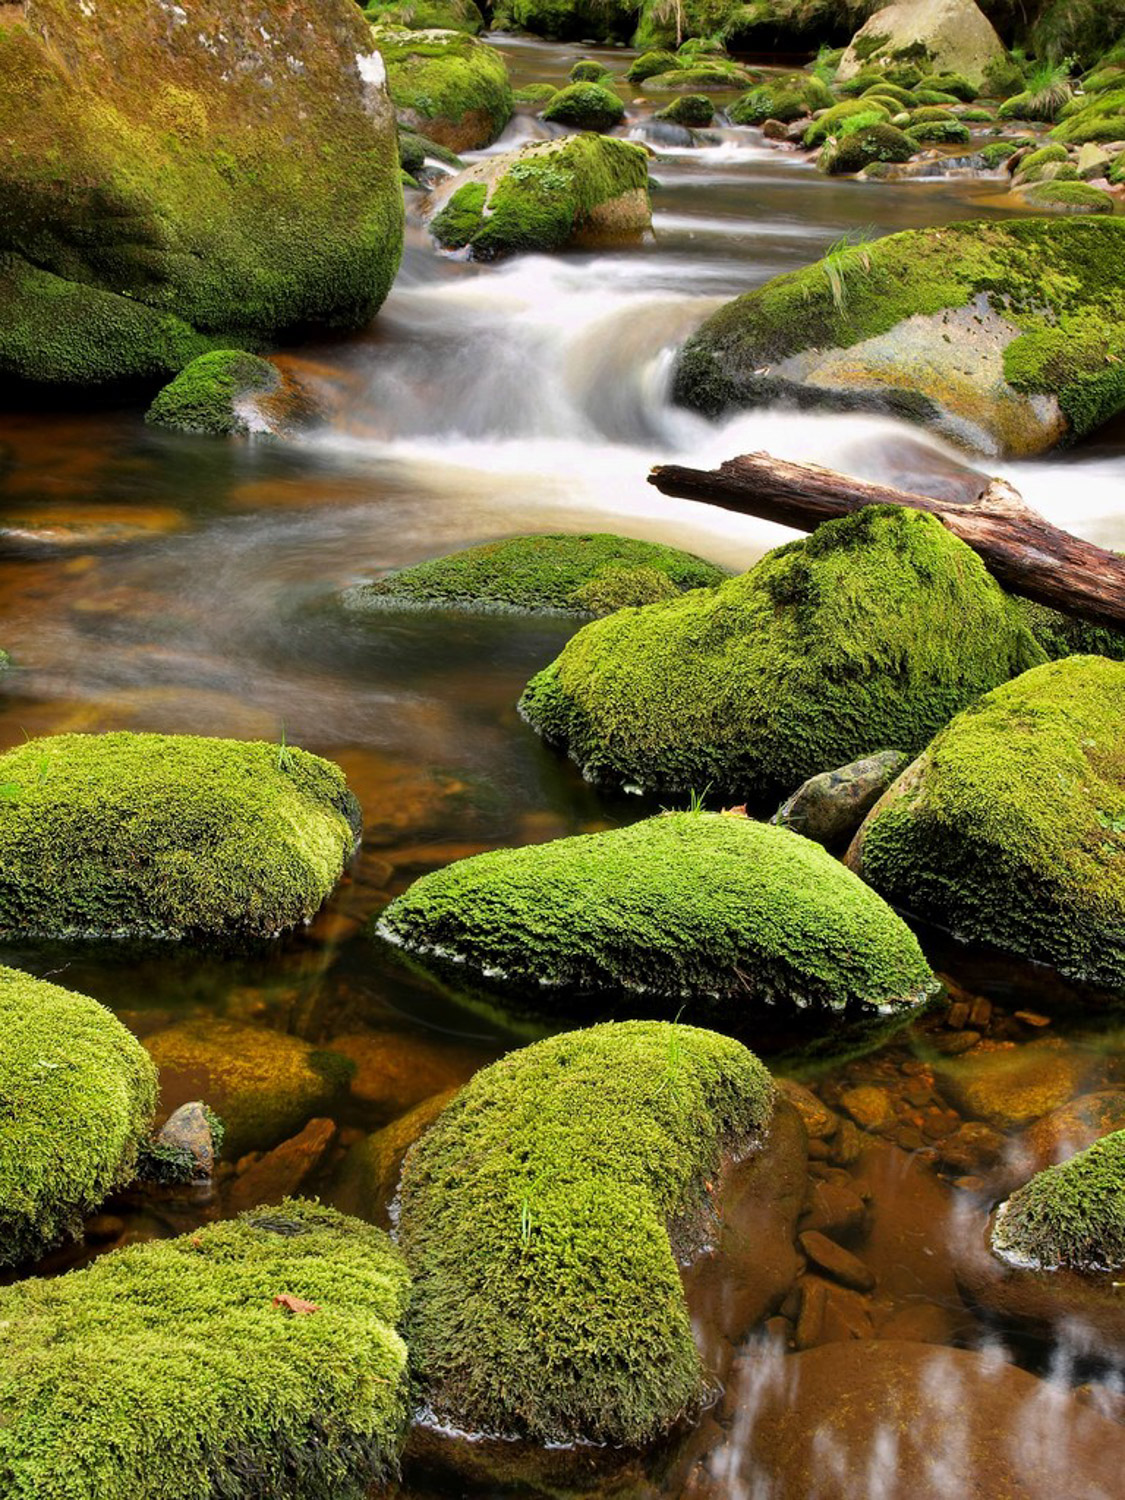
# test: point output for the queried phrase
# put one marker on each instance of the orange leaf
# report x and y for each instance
(294, 1304)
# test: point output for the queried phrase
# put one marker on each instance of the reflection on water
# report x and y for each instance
(152, 581)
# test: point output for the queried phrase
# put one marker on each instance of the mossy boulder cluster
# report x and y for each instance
(868, 635)
(1002, 336)
(77, 1096)
(1070, 1216)
(569, 191)
(163, 836)
(712, 908)
(169, 183)
(582, 575)
(446, 84)
(254, 1357)
(542, 1217)
(1010, 828)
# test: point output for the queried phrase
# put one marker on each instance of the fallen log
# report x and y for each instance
(1024, 552)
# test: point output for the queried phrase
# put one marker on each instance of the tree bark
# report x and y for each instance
(1023, 551)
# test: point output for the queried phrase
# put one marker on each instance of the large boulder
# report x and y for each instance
(77, 1095)
(172, 181)
(253, 1357)
(869, 635)
(709, 907)
(574, 190)
(1010, 828)
(586, 574)
(1002, 336)
(942, 36)
(536, 1216)
(446, 84)
(167, 836)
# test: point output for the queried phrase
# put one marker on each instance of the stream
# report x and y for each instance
(153, 581)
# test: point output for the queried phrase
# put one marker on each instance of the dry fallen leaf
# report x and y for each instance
(294, 1304)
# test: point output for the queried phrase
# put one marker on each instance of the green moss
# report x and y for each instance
(535, 93)
(625, 588)
(451, 85)
(829, 123)
(1041, 157)
(853, 640)
(929, 113)
(77, 1096)
(954, 83)
(536, 1215)
(461, 217)
(940, 133)
(168, 1369)
(585, 106)
(649, 64)
(167, 836)
(413, 150)
(885, 90)
(1051, 279)
(758, 105)
(586, 70)
(174, 1166)
(549, 572)
(205, 395)
(866, 47)
(1003, 76)
(1063, 197)
(714, 908)
(1011, 828)
(1116, 173)
(151, 208)
(1062, 635)
(577, 20)
(711, 74)
(859, 149)
(422, 15)
(693, 110)
(997, 153)
(1070, 1215)
(1097, 117)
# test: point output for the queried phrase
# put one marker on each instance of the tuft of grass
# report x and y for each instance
(844, 257)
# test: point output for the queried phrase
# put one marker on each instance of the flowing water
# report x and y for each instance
(153, 581)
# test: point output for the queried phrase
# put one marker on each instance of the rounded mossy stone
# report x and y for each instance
(446, 84)
(768, 102)
(587, 70)
(205, 395)
(833, 120)
(1033, 302)
(542, 1217)
(939, 133)
(868, 635)
(856, 151)
(692, 110)
(706, 906)
(1068, 198)
(77, 1097)
(1010, 828)
(585, 106)
(1070, 1216)
(166, 188)
(706, 73)
(177, 1369)
(1096, 117)
(535, 93)
(574, 189)
(649, 64)
(163, 836)
(563, 574)
(263, 1084)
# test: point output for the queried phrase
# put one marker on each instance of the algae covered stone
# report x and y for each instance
(574, 190)
(1071, 1215)
(868, 635)
(557, 574)
(1010, 828)
(1003, 336)
(230, 393)
(169, 182)
(149, 835)
(254, 1357)
(77, 1096)
(710, 907)
(446, 84)
(539, 1215)
(586, 106)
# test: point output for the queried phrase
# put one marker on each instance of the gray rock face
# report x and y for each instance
(954, 36)
(830, 807)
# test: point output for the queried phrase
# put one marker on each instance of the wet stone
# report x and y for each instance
(834, 1210)
(870, 1107)
(837, 1262)
(282, 1172)
(188, 1129)
(971, 1146)
(828, 808)
(819, 1120)
(1009, 1086)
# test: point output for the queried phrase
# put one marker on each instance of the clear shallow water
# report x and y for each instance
(151, 581)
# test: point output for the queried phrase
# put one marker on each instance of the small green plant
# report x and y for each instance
(1049, 87)
(845, 256)
(284, 759)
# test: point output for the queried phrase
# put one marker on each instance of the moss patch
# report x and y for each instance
(167, 836)
(1071, 1215)
(1011, 827)
(1068, 198)
(868, 635)
(205, 396)
(536, 1215)
(453, 87)
(585, 106)
(77, 1096)
(168, 1368)
(552, 573)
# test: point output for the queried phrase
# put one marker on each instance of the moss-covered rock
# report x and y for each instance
(585, 106)
(1010, 828)
(535, 93)
(948, 37)
(693, 110)
(564, 574)
(939, 133)
(1071, 1215)
(150, 835)
(446, 84)
(833, 120)
(178, 1368)
(569, 20)
(1066, 635)
(649, 64)
(868, 635)
(707, 906)
(571, 190)
(415, 150)
(1001, 335)
(77, 1096)
(536, 1218)
(217, 394)
(1096, 117)
(426, 15)
(859, 149)
(706, 73)
(1061, 197)
(588, 70)
(168, 187)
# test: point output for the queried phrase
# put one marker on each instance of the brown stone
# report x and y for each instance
(870, 1107)
(971, 1146)
(810, 1323)
(395, 1071)
(368, 1177)
(834, 1210)
(282, 1172)
(1008, 1086)
(820, 1121)
(839, 1263)
(846, 1144)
